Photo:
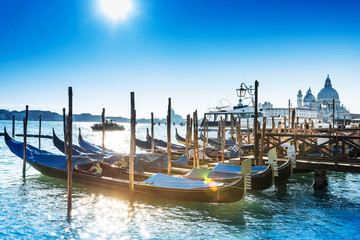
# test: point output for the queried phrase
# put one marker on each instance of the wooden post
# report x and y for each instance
(248, 131)
(312, 127)
(190, 132)
(293, 120)
(207, 132)
(273, 124)
(196, 139)
(169, 136)
(236, 131)
(232, 126)
(279, 127)
(256, 137)
(240, 138)
(103, 131)
(204, 140)
(69, 176)
(262, 142)
(219, 129)
(195, 142)
(297, 123)
(25, 138)
(65, 132)
(222, 124)
(13, 126)
(132, 145)
(285, 127)
(187, 136)
(289, 114)
(152, 133)
(40, 132)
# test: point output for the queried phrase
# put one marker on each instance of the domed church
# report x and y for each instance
(323, 105)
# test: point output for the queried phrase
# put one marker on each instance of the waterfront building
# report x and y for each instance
(311, 107)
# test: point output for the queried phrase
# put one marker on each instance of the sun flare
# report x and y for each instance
(116, 10)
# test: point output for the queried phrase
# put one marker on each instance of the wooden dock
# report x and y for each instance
(337, 150)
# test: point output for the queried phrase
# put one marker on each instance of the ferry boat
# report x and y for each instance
(241, 111)
(110, 125)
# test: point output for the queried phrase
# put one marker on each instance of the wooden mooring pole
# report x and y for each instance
(248, 132)
(103, 131)
(232, 127)
(196, 138)
(65, 131)
(187, 136)
(240, 137)
(13, 126)
(132, 145)
(69, 166)
(25, 138)
(262, 142)
(169, 136)
(152, 133)
(289, 115)
(293, 120)
(256, 137)
(204, 139)
(195, 143)
(40, 132)
(222, 124)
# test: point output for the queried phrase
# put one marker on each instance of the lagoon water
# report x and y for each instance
(35, 208)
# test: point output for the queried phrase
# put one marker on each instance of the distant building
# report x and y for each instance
(311, 108)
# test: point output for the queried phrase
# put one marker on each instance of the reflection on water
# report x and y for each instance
(35, 208)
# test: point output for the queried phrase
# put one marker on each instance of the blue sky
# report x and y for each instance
(195, 52)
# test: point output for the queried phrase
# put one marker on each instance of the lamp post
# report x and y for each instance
(325, 104)
(241, 92)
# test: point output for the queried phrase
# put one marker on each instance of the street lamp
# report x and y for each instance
(241, 92)
(324, 104)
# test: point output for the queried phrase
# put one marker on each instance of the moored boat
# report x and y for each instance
(261, 177)
(92, 148)
(158, 185)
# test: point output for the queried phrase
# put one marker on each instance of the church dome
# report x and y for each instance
(328, 92)
(309, 98)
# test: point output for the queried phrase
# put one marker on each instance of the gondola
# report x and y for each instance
(261, 177)
(92, 147)
(146, 146)
(285, 171)
(217, 143)
(281, 173)
(158, 185)
(179, 138)
(60, 145)
(162, 143)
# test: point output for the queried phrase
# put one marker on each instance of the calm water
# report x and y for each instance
(35, 208)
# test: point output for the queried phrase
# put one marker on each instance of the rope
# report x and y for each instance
(29, 166)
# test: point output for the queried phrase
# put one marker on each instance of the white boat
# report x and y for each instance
(243, 112)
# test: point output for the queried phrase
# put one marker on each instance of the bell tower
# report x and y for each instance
(299, 99)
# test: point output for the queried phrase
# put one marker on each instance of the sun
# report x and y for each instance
(116, 10)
